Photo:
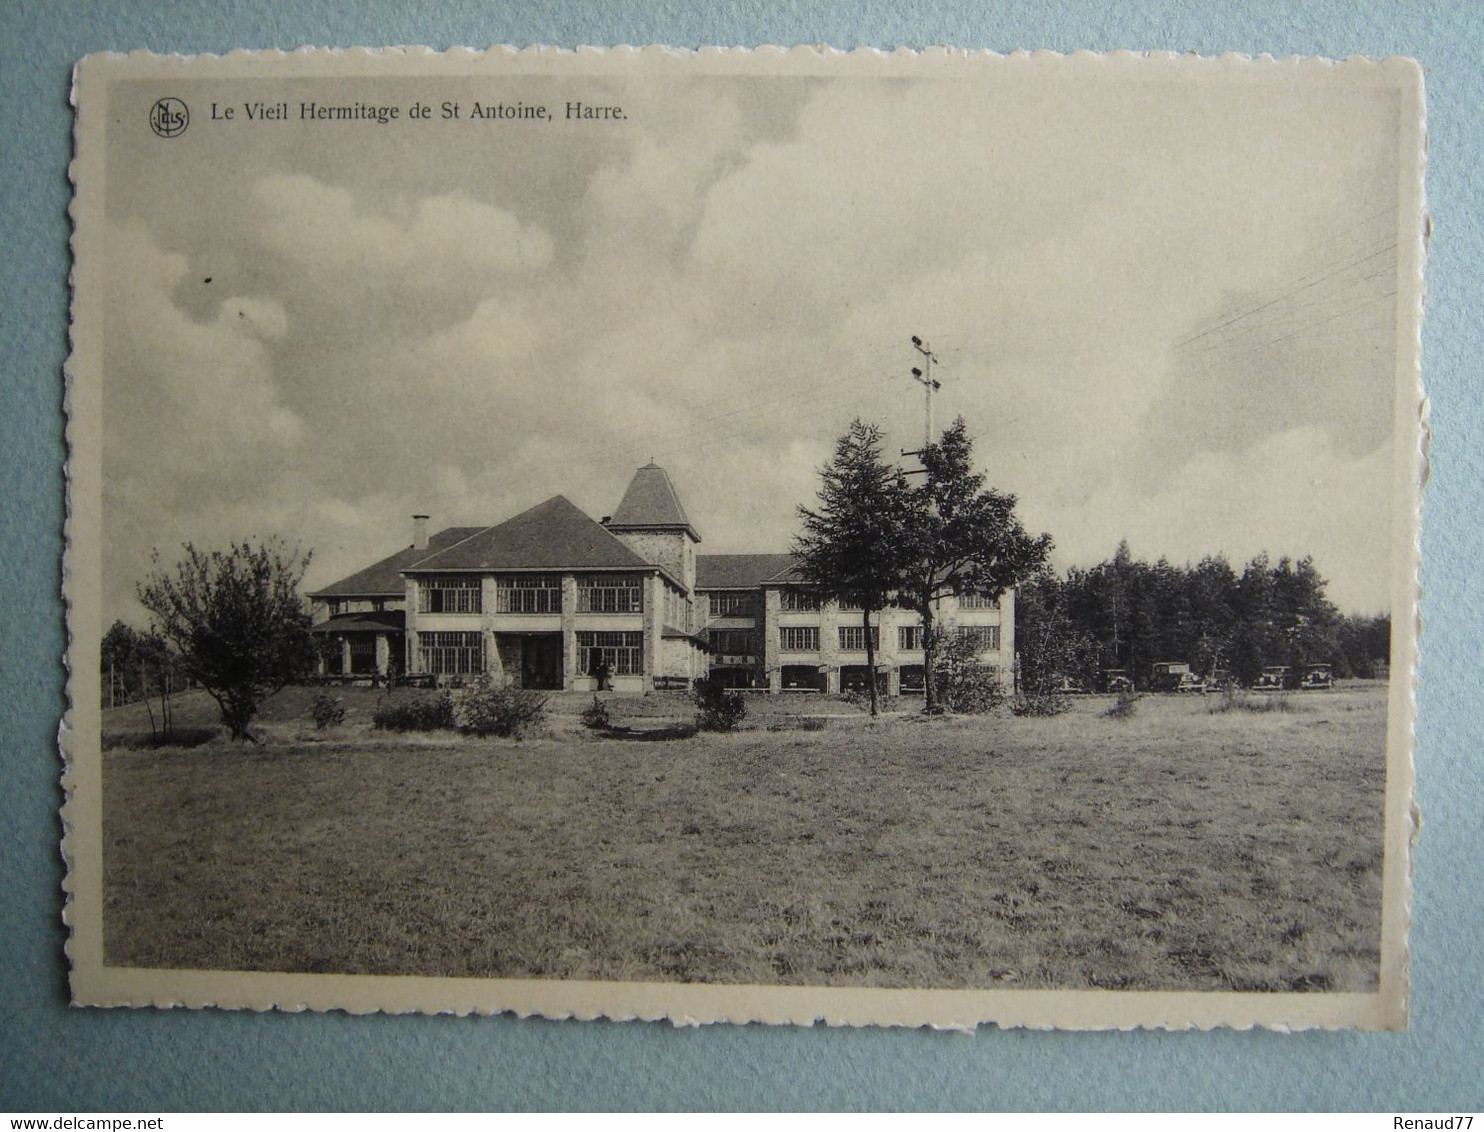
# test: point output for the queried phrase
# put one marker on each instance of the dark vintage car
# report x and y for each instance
(1274, 678)
(1219, 680)
(1115, 680)
(1318, 678)
(1174, 676)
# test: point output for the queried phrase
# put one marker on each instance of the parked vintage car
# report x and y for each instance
(1115, 680)
(1174, 676)
(1219, 680)
(1318, 678)
(1274, 678)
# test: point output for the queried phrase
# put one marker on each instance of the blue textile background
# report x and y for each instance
(56, 1059)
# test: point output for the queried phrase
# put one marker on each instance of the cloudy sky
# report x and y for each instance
(1166, 311)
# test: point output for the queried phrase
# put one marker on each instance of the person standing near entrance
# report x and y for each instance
(602, 671)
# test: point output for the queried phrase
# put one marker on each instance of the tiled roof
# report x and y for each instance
(741, 571)
(670, 633)
(651, 501)
(384, 579)
(554, 535)
(390, 620)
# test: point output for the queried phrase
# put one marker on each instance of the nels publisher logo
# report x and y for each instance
(169, 117)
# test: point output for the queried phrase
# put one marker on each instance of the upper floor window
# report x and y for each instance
(528, 593)
(724, 604)
(796, 601)
(732, 642)
(853, 638)
(449, 593)
(909, 638)
(602, 593)
(851, 606)
(978, 601)
(799, 638)
(986, 637)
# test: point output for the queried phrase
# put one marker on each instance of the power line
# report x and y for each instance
(1302, 286)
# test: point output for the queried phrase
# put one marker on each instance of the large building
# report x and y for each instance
(550, 597)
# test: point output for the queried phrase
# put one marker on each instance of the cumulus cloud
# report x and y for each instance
(730, 276)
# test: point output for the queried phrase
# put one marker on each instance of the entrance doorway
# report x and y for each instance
(541, 660)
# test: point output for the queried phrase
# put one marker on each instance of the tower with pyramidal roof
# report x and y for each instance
(652, 523)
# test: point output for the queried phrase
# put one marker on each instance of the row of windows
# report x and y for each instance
(723, 604)
(535, 593)
(542, 593)
(852, 638)
(462, 654)
(804, 601)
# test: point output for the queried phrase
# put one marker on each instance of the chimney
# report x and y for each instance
(419, 532)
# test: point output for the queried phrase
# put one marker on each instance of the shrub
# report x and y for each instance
(1125, 706)
(175, 737)
(1040, 703)
(595, 716)
(328, 710)
(720, 709)
(963, 683)
(507, 712)
(415, 713)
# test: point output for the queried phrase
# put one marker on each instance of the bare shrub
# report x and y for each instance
(510, 713)
(1125, 706)
(328, 711)
(595, 716)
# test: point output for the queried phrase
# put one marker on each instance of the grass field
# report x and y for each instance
(1179, 848)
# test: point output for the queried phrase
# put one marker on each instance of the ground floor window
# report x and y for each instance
(799, 638)
(909, 638)
(913, 679)
(624, 652)
(362, 655)
(332, 656)
(451, 654)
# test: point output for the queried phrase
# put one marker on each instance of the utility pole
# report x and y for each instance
(924, 377)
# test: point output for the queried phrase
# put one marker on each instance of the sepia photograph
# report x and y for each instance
(908, 538)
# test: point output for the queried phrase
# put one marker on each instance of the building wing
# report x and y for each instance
(384, 578)
(741, 571)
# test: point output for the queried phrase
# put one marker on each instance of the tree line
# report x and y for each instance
(1128, 614)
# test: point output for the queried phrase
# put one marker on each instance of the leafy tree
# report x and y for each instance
(119, 662)
(851, 546)
(964, 683)
(1051, 644)
(960, 537)
(1363, 646)
(237, 620)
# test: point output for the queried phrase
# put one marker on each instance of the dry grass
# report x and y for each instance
(1178, 848)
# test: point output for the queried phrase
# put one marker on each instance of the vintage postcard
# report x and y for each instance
(912, 538)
